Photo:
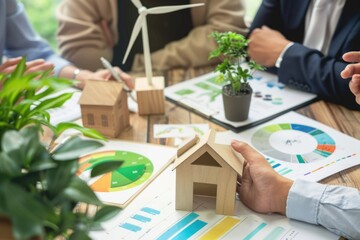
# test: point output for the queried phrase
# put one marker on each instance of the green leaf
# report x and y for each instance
(79, 191)
(91, 133)
(79, 235)
(26, 212)
(105, 213)
(64, 171)
(9, 167)
(105, 167)
(75, 147)
(51, 103)
(20, 69)
(11, 140)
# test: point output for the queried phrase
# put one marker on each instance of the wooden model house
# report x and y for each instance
(208, 169)
(104, 107)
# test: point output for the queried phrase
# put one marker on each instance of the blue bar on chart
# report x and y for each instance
(276, 165)
(178, 226)
(150, 211)
(190, 230)
(255, 231)
(130, 227)
(141, 218)
(275, 233)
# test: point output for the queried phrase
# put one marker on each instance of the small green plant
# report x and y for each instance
(39, 187)
(232, 50)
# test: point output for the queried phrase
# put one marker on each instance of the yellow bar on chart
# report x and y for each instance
(220, 229)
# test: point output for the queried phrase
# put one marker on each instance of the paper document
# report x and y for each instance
(269, 99)
(299, 147)
(142, 163)
(153, 216)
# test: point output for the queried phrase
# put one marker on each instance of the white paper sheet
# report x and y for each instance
(299, 147)
(153, 216)
(203, 95)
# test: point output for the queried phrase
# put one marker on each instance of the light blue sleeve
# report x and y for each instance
(22, 40)
(337, 208)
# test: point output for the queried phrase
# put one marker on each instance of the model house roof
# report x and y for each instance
(104, 93)
(219, 152)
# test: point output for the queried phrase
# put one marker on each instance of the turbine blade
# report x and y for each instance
(137, 3)
(167, 9)
(134, 34)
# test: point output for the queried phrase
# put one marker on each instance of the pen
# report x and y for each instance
(108, 66)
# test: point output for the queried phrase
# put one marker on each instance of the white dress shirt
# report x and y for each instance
(337, 208)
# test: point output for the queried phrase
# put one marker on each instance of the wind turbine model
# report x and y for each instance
(141, 24)
(150, 94)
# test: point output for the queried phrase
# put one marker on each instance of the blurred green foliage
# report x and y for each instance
(42, 17)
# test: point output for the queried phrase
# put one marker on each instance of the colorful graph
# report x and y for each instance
(295, 143)
(135, 170)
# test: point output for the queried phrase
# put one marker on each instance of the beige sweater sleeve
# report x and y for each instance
(193, 50)
(81, 39)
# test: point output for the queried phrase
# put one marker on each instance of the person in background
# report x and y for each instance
(303, 42)
(90, 29)
(18, 39)
(353, 71)
(337, 208)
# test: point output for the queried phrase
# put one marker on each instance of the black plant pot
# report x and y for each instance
(236, 107)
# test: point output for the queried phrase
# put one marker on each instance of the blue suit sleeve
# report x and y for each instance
(21, 40)
(309, 70)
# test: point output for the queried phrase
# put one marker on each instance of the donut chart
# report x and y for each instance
(294, 143)
(135, 170)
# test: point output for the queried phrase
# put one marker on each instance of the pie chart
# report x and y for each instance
(295, 143)
(135, 170)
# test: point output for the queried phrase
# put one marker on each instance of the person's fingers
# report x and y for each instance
(250, 154)
(9, 64)
(126, 78)
(354, 84)
(39, 67)
(350, 70)
(352, 56)
(34, 63)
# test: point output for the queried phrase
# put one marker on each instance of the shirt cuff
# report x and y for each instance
(303, 201)
(279, 60)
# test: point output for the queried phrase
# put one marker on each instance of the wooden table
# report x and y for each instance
(335, 116)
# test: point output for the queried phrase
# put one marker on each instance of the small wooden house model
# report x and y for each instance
(208, 169)
(104, 107)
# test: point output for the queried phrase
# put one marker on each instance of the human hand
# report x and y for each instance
(104, 74)
(260, 187)
(31, 66)
(353, 71)
(266, 45)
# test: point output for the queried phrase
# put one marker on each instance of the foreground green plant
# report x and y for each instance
(232, 50)
(39, 188)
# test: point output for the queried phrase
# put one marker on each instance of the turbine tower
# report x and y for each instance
(141, 24)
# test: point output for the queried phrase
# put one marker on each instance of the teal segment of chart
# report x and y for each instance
(295, 143)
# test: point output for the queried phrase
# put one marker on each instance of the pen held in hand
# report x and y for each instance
(117, 77)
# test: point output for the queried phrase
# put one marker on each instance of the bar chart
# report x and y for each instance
(159, 220)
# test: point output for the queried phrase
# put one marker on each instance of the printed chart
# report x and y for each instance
(299, 147)
(179, 130)
(295, 143)
(153, 216)
(135, 170)
(141, 164)
(203, 95)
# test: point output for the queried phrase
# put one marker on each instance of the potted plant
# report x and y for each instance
(39, 187)
(237, 92)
